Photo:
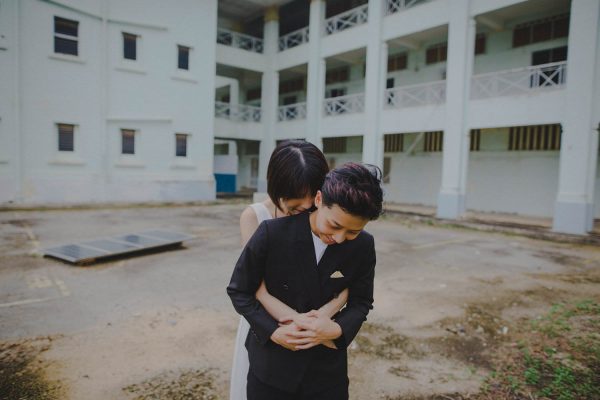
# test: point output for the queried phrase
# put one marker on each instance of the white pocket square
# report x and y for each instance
(337, 274)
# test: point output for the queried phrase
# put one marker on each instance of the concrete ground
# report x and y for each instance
(161, 326)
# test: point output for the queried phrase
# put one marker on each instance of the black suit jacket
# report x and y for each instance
(281, 252)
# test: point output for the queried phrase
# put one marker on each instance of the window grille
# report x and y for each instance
(334, 145)
(341, 74)
(436, 53)
(534, 138)
(541, 30)
(66, 137)
(393, 143)
(475, 139)
(480, 41)
(397, 62)
(183, 57)
(66, 36)
(181, 144)
(127, 141)
(434, 142)
(129, 46)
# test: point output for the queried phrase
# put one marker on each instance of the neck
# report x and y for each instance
(313, 222)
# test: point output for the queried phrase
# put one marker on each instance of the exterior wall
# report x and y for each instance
(101, 93)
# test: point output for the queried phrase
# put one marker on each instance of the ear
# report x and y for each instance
(318, 199)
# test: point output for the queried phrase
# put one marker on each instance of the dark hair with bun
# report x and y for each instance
(355, 188)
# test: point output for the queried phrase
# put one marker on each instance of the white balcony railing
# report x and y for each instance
(292, 112)
(348, 19)
(519, 80)
(394, 6)
(240, 112)
(416, 95)
(293, 39)
(352, 103)
(239, 40)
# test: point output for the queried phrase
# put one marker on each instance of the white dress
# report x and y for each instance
(239, 370)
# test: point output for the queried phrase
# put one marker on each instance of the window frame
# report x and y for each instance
(136, 39)
(65, 36)
(188, 51)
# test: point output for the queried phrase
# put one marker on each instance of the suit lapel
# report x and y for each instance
(304, 250)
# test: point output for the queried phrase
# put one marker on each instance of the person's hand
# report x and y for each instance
(283, 335)
(314, 328)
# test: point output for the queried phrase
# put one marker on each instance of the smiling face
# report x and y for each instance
(296, 206)
(334, 225)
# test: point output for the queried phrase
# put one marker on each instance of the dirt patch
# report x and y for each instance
(383, 342)
(563, 259)
(23, 374)
(592, 276)
(183, 385)
(21, 223)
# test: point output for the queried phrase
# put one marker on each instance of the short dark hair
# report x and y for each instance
(356, 189)
(297, 169)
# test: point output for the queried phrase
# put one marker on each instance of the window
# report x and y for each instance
(393, 143)
(289, 100)
(480, 43)
(387, 168)
(334, 145)
(475, 138)
(397, 62)
(183, 57)
(127, 141)
(541, 30)
(389, 83)
(65, 36)
(253, 94)
(66, 137)
(534, 137)
(436, 53)
(129, 46)
(294, 85)
(434, 141)
(341, 74)
(336, 92)
(181, 145)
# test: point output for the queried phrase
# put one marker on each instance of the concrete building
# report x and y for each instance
(487, 105)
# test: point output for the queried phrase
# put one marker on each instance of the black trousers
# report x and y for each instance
(257, 390)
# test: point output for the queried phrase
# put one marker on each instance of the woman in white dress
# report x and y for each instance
(296, 171)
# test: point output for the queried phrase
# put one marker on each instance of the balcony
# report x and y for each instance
(293, 39)
(239, 40)
(416, 95)
(356, 16)
(394, 6)
(238, 113)
(519, 81)
(291, 112)
(349, 104)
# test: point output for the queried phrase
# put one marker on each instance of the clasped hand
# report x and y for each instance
(306, 330)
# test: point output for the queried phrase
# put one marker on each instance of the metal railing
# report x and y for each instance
(356, 16)
(394, 6)
(239, 40)
(293, 39)
(519, 80)
(416, 95)
(291, 112)
(240, 112)
(352, 103)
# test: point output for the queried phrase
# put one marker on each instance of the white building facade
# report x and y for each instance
(486, 105)
(106, 101)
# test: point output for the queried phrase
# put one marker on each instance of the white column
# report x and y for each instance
(574, 211)
(374, 86)
(269, 95)
(316, 72)
(461, 46)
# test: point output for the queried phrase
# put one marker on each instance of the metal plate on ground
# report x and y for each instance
(97, 249)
